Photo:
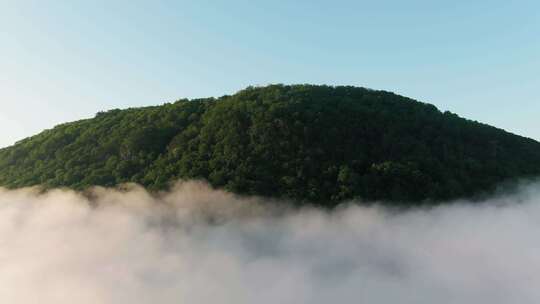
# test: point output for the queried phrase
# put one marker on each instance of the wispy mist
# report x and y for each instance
(197, 245)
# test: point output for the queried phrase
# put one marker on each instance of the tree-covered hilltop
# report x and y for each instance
(308, 143)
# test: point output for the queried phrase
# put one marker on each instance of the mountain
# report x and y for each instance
(320, 144)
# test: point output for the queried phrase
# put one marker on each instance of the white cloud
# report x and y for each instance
(197, 245)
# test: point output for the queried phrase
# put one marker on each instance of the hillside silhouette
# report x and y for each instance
(307, 143)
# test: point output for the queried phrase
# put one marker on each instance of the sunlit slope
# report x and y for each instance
(308, 143)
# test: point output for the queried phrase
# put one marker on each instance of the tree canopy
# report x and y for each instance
(307, 143)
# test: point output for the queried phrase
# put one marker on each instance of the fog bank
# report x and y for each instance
(197, 245)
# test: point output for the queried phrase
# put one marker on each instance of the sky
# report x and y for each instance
(66, 60)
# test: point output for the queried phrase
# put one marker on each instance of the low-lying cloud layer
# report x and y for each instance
(197, 245)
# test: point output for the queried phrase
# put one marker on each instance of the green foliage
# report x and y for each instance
(308, 143)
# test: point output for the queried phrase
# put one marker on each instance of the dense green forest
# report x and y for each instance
(320, 144)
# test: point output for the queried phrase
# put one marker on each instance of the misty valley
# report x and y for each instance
(276, 194)
(269, 152)
(194, 244)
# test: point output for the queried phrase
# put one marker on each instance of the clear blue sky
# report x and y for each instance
(65, 60)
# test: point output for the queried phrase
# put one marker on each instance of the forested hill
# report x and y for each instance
(320, 144)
